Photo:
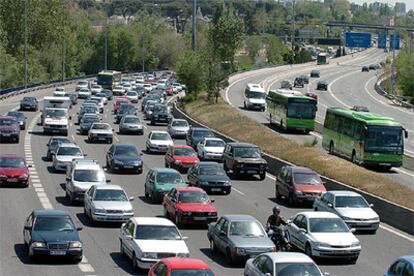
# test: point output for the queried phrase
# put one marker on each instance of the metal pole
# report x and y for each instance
(25, 44)
(142, 45)
(393, 62)
(106, 46)
(293, 26)
(193, 21)
(63, 60)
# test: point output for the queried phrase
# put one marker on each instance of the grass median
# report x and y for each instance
(228, 120)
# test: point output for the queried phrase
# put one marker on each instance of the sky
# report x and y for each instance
(408, 3)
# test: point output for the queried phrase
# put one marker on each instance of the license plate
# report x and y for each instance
(200, 218)
(101, 138)
(57, 252)
(6, 135)
(12, 180)
(251, 171)
(385, 164)
(128, 167)
(215, 189)
(55, 130)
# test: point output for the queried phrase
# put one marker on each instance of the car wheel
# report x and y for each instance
(229, 257)
(90, 217)
(112, 168)
(291, 201)
(148, 150)
(30, 253)
(213, 246)
(177, 220)
(277, 194)
(315, 209)
(77, 259)
(121, 250)
(165, 213)
(134, 262)
(48, 156)
(146, 193)
(263, 176)
(71, 199)
(353, 260)
(308, 250)
(166, 164)
(331, 148)
(153, 197)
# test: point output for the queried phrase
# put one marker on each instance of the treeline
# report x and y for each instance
(405, 73)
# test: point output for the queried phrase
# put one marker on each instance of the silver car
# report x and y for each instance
(131, 124)
(351, 207)
(65, 153)
(101, 132)
(178, 128)
(108, 203)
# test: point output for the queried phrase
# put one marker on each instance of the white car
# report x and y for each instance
(118, 90)
(108, 203)
(84, 93)
(60, 92)
(351, 207)
(100, 102)
(103, 96)
(177, 87)
(146, 240)
(282, 263)
(211, 148)
(95, 89)
(82, 84)
(323, 235)
(178, 128)
(132, 96)
(101, 132)
(158, 141)
(65, 153)
(147, 87)
(140, 79)
(127, 86)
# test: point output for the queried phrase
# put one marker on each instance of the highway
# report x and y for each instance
(348, 86)
(101, 245)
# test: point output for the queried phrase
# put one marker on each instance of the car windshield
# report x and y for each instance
(90, 119)
(297, 269)
(184, 152)
(134, 94)
(132, 120)
(82, 83)
(212, 170)
(202, 133)
(180, 123)
(157, 232)
(56, 113)
(247, 152)
(97, 86)
(26, 99)
(18, 115)
(7, 122)
(257, 95)
(88, 109)
(101, 126)
(384, 139)
(302, 110)
(110, 195)
(11, 163)
(50, 223)
(56, 141)
(191, 272)
(215, 143)
(306, 178)
(246, 228)
(160, 136)
(88, 175)
(126, 151)
(160, 108)
(193, 197)
(327, 225)
(73, 151)
(169, 177)
(350, 202)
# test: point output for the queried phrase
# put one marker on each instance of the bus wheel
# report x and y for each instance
(353, 158)
(331, 148)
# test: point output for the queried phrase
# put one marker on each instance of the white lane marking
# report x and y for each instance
(401, 235)
(334, 81)
(86, 268)
(240, 192)
(116, 138)
(404, 172)
(73, 137)
(270, 176)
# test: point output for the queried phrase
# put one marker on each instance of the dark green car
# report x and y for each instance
(160, 181)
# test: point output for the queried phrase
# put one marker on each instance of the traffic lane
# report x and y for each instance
(15, 206)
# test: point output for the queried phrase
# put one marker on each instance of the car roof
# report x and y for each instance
(185, 263)
(344, 193)
(408, 258)
(314, 214)
(158, 131)
(86, 164)
(152, 221)
(189, 189)
(164, 170)
(288, 257)
(302, 169)
(14, 156)
(236, 144)
(69, 145)
(8, 117)
(181, 147)
(50, 213)
(108, 187)
(239, 217)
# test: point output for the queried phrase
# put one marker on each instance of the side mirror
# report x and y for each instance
(85, 154)
(371, 205)
(185, 238)
(353, 230)
(303, 231)
(27, 227)
(330, 205)
(405, 133)
(108, 181)
(131, 198)
(222, 233)
(128, 237)
(79, 228)
(29, 166)
(213, 200)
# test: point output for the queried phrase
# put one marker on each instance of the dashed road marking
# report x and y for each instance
(236, 190)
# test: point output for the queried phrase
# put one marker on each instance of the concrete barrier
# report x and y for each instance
(393, 214)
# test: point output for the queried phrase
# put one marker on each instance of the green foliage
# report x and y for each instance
(405, 73)
(276, 51)
(191, 72)
(253, 46)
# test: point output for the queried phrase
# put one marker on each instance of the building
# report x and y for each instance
(400, 9)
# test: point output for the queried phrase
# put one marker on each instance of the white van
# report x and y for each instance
(254, 97)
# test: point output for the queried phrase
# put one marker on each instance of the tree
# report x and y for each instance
(190, 71)
(253, 46)
(405, 73)
(126, 8)
(275, 50)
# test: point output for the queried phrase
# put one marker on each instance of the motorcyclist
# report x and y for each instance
(274, 229)
(275, 220)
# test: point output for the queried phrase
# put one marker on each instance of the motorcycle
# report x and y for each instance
(280, 238)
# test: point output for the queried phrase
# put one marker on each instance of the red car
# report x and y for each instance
(181, 157)
(180, 266)
(119, 102)
(312, 95)
(169, 90)
(189, 205)
(13, 170)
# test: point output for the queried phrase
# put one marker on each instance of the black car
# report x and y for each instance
(374, 67)
(210, 176)
(160, 114)
(149, 97)
(124, 157)
(305, 79)
(322, 85)
(125, 109)
(299, 82)
(87, 121)
(315, 74)
(365, 69)
(196, 134)
(140, 91)
(53, 145)
(20, 118)
(28, 103)
(108, 93)
(52, 233)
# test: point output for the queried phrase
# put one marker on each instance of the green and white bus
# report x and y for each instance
(108, 79)
(322, 58)
(364, 138)
(291, 110)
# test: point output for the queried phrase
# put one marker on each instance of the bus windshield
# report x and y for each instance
(301, 110)
(104, 79)
(384, 139)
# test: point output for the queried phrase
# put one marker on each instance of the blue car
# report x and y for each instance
(49, 233)
(404, 265)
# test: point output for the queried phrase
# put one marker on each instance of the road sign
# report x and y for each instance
(382, 41)
(359, 40)
(395, 40)
(328, 41)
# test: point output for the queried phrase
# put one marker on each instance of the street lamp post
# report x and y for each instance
(106, 46)
(193, 21)
(25, 44)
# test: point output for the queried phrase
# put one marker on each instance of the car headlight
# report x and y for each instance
(212, 214)
(118, 162)
(226, 183)
(322, 244)
(129, 211)
(346, 218)
(3, 176)
(298, 193)
(203, 183)
(357, 243)
(177, 162)
(76, 244)
(187, 213)
(241, 251)
(149, 255)
(241, 165)
(38, 244)
(100, 211)
(183, 255)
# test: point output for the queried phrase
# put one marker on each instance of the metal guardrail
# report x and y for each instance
(379, 88)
